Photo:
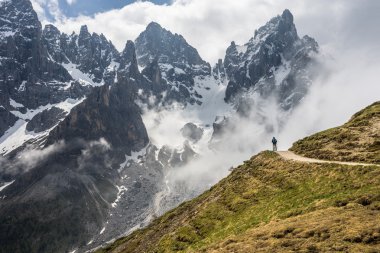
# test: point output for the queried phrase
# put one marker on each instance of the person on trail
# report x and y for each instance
(274, 142)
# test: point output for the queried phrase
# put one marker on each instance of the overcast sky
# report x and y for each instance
(210, 25)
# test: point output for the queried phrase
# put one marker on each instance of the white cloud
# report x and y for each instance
(70, 2)
(346, 85)
(28, 158)
(345, 29)
(46, 9)
(211, 25)
(350, 85)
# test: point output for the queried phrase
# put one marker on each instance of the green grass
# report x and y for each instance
(283, 204)
(264, 189)
(358, 140)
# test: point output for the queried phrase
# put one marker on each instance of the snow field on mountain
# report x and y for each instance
(17, 135)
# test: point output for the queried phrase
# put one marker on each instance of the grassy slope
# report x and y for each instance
(269, 198)
(272, 205)
(357, 140)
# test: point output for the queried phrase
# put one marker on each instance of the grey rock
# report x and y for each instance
(45, 119)
(275, 47)
(7, 120)
(157, 42)
(192, 132)
(108, 112)
(92, 53)
(27, 74)
(74, 187)
(178, 62)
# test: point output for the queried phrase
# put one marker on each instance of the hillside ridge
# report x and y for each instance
(358, 140)
(274, 202)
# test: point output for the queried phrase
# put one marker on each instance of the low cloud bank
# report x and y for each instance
(346, 83)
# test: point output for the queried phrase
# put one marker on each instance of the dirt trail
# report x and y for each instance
(289, 155)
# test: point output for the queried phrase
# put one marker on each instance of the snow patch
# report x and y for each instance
(22, 86)
(164, 127)
(179, 71)
(5, 34)
(78, 75)
(242, 49)
(6, 185)
(69, 104)
(113, 65)
(165, 67)
(14, 104)
(66, 105)
(17, 135)
(121, 190)
(282, 72)
(134, 157)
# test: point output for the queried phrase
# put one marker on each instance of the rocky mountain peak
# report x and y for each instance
(287, 16)
(270, 52)
(84, 31)
(279, 27)
(153, 26)
(129, 48)
(84, 37)
(128, 57)
(92, 54)
(50, 29)
(169, 57)
(157, 42)
(20, 13)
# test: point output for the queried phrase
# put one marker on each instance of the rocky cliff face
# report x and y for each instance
(274, 62)
(109, 113)
(77, 186)
(91, 54)
(178, 62)
(30, 80)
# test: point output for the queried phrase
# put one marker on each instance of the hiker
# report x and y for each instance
(274, 142)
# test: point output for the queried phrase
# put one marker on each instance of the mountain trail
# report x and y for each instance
(289, 155)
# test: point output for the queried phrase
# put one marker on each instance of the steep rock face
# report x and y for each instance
(110, 113)
(274, 61)
(6, 119)
(157, 42)
(92, 54)
(58, 204)
(77, 182)
(128, 59)
(45, 68)
(192, 132)
(45, 119)
(178, 62)
(148, 84)
(29, 77)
